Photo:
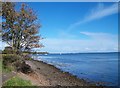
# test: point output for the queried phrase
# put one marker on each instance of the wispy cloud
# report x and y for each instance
(97, 13)
(98, 42)
(100, 35)
(102, 42)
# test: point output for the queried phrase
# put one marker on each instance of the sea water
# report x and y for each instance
(93, 67)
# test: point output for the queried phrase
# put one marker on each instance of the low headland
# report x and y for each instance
(22, 70)
(39, 73)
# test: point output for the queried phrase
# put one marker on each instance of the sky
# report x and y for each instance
(73, 27)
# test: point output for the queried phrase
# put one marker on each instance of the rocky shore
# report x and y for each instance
(48, 75)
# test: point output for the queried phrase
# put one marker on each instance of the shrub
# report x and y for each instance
(8, 50)
(16, 62)
(23, 67)
(9, 59)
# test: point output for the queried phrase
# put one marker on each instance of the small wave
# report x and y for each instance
(53, 62)
(62, 64)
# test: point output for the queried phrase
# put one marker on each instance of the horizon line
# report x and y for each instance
(85, 52)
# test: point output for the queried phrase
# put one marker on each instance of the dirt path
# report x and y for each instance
(7, 76)
(36, 80)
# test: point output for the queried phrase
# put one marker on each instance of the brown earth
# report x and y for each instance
(48, 75)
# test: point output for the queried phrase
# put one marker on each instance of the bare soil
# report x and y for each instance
(48, 75)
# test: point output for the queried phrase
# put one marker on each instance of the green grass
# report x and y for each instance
(0, 65)
(8, 58)
(16, 81)
(7, 69)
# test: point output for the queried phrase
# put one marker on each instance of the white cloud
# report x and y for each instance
(99, 12)
(101, 42)
(100, 35)
(98, 42)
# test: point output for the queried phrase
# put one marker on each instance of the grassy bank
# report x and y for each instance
(6, 62)
(16, 81)
(9, 64)
(0, 65)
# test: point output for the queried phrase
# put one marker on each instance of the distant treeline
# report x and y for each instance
(35, 52)
(9, 50)
(12, 52)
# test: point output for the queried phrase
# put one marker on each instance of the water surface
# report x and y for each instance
(95, 67)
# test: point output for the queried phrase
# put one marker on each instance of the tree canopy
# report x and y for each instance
(20, 29)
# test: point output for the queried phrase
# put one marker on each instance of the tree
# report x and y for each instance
(8, 18)
(1, 20)
(20, 28)
(29, 29)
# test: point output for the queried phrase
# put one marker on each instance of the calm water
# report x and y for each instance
(96, 67)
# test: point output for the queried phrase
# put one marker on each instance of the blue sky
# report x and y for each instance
(77, 27)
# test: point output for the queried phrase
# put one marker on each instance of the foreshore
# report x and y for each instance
(49, 75)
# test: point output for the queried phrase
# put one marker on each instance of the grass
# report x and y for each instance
(7, 69)
(3, 68)
(8, 59)
(0, 65)
(16, 81)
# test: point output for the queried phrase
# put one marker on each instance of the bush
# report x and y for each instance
(8, 50)
(9, 59)
(23, 67)
(16, 62)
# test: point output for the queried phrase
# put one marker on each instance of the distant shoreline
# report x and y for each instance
(87, 53)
